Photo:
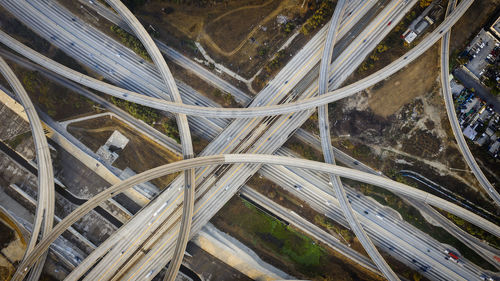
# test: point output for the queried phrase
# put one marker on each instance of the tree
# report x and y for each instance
(425, 3)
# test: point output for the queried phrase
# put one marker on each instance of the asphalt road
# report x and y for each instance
(290, 107)
(254, 158)
(59, 189)
(470, 81)
(326, 143)
(184, 133)
(455, 125)
(44, 215)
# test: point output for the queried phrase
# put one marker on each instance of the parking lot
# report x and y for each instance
(479, 49)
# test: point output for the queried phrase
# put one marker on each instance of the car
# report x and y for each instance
(356, 163)
(286, 82)
(366, 212)
(364, 41)
(389, 23)
(297, 186)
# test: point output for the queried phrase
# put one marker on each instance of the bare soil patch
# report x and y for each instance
(471, 22)
(231, 28)
(417, 78)
(140, 154)
(231, 31)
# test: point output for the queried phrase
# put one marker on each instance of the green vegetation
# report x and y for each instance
(391, 42)
(282, 245)
(474, 230)
(326, 223)
(413, 216)
(150, 116)
(271, 67)
(425, 3)
(227, 98)
(144, 113)
(262, 51)
(288, 27)
(304, 150)
(320, 16)
(281, 239)
(361, 150)
(15, 141)
(456, 60)
(171, 130)
(490, 79)
(131, 41)
(57, 101)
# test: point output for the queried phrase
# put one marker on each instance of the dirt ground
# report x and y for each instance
(471, 22)
(231, 31)
(414, 80)
(403, 118)
(333, 265)
(13, 246)
(140, 154)
(288, 200)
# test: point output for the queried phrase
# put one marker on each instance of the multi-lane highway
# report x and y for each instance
(261, 142)
(248, 112)
(182, 125)
(326, 143)
(269, 139)
(254, 158)
(44, 216)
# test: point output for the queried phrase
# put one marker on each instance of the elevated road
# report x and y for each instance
(307, 227)
(388, 184)
(143, 128)
(184, 133)
(455, 125)
(295, 106)
(44, 215)
(175, 56)
(326, 143)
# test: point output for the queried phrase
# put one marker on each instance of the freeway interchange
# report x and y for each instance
(273, 116)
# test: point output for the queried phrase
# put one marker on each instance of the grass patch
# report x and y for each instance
(283, 246)
(132, 42)
(15, 141)
(280, 238)
(413, 216)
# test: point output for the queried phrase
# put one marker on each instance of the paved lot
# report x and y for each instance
(477, 64)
